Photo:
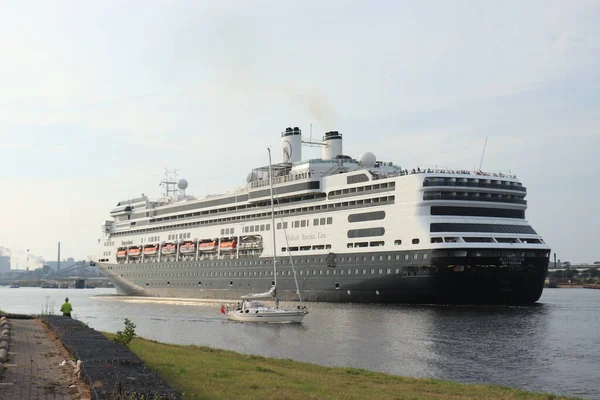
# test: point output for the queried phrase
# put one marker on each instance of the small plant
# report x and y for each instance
(125, 336)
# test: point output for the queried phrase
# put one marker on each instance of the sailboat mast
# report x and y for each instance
(273, 227)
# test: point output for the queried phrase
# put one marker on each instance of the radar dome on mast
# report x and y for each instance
(182, 184)
(367, 159)
(291, 145)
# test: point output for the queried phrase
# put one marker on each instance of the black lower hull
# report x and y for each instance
(475, 277)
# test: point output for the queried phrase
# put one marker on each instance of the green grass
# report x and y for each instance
(208, 373)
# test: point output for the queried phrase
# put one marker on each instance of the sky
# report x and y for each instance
(98, 98)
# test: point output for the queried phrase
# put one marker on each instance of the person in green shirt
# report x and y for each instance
(66, 308)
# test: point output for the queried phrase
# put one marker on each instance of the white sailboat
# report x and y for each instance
(251, 310)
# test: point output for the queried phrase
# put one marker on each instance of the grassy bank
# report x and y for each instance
(207, 373)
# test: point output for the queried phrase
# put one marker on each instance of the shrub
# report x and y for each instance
(125, 336)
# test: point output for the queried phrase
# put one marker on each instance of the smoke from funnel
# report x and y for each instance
(314, 103)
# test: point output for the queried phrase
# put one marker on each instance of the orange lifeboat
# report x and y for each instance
(228, 245)
(134, 251)
(168, 248)
(150, 250)
(121, 253)
(187, 247)
(207, 247)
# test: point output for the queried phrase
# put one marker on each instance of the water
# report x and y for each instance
(553, 346)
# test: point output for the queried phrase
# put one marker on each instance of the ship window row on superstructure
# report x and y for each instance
(475, 196)
(306, 248)
(365, 244)
(254, 228)
(174, 236)
(358, 191)
(109, 243)
(377, 201)
(306, 223)
(487, 228)
(483, 240)
(232, 204)
(151, 239)
(476, 182)
(477, 212)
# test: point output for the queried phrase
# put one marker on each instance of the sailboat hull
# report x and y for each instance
(279, 316)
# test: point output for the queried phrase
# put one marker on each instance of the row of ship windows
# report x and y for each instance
(397, 242)
(152, 239)
(329, 207)
(304, 248)
(306, 222)
(255, 228)
(174, 236)
(107, 253)
(109, 243)
(483, 240)
(330, 259)
(303, 272)
(477, 196)
(227, 231)
(363, 189)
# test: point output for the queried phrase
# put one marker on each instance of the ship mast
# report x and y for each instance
(170, 182)
(273, 229)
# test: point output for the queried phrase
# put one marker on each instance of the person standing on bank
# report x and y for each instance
(66, 308)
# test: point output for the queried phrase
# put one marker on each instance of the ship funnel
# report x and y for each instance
(332, 145)
(291, 145)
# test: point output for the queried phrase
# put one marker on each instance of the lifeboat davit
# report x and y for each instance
(134, 251)
(150, 250)
(168, 248)
(187, 248)
(121, 253)
(230, 245)
(207, 247)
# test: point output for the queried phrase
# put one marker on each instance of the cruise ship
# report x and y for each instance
(348, 230)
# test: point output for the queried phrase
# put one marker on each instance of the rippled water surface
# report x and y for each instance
(553, 346)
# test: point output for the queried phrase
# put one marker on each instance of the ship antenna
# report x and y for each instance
(170, 181)
(482, 154)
